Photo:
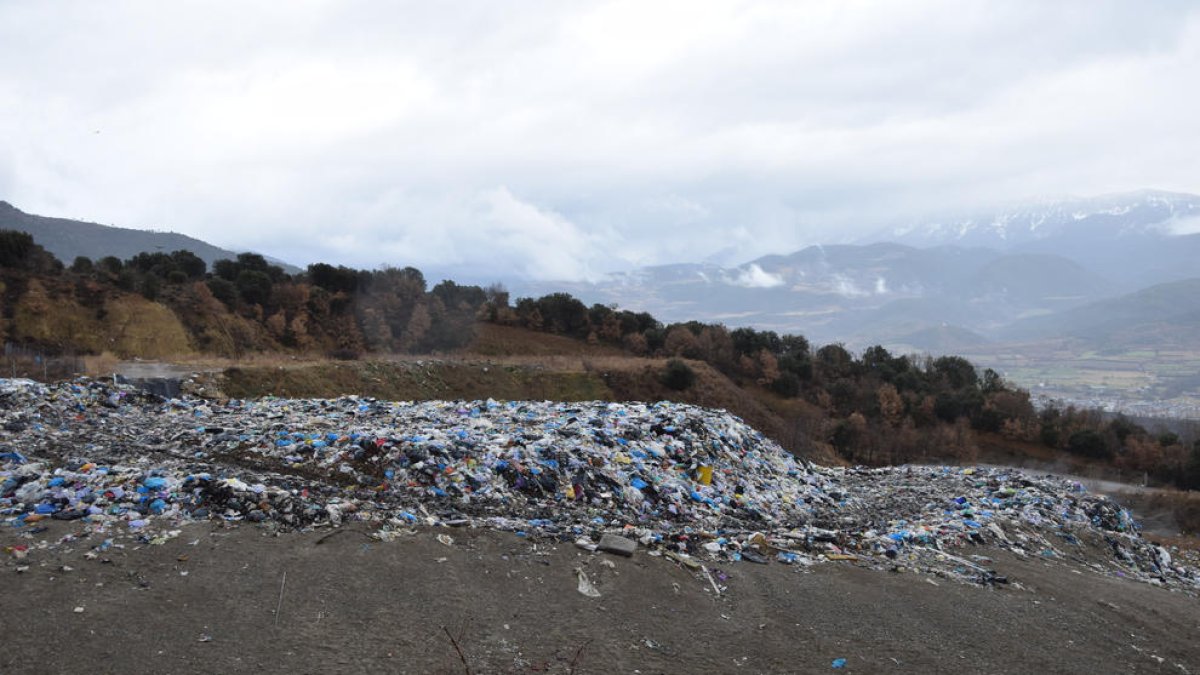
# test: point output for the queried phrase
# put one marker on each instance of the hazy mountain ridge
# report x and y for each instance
(1161, 315)
(848, 293)
(1134, 239)
(68, 239)
(946, 282)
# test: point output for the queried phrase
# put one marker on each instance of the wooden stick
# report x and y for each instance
(279, 604)
(461, 657)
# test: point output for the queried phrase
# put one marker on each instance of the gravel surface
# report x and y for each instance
(231, 598)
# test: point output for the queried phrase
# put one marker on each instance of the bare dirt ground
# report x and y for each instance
(237, 599)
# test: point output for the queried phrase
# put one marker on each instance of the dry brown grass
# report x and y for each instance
(430, 379)
(135, 326)
(43, 318)
(128, 326)
(492, 340)
(100, 365)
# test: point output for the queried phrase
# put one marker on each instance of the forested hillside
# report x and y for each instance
(162, 304)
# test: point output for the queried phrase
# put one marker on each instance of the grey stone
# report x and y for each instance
(618, 545)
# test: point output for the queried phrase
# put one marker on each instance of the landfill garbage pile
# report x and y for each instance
(689, 483)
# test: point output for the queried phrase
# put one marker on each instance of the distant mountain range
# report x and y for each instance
(1114, 271)
(68, 239)
(873, 293)
(1132, 238)
(1032, 271)
(1026, 225)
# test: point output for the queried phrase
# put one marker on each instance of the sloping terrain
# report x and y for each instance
(943, 339)
(1166, 315)
(67, 238)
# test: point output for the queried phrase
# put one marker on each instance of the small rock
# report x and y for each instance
(617, 544)
(754, 557)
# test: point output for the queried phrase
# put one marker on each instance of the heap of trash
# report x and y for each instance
(689, 483)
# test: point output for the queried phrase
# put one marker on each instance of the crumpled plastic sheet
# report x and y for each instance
(680, 479)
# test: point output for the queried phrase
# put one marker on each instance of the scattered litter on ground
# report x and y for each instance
(586, 587)
(688, 483)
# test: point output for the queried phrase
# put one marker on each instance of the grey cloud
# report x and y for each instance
(552, 139)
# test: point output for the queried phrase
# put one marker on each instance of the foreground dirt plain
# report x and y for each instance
(238, 599)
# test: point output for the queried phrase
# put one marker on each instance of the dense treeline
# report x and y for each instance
(874, 407)
(242, 305)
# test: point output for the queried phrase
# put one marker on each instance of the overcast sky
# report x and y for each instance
(562, 140)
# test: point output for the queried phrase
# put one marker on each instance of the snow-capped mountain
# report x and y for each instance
(1142, 213)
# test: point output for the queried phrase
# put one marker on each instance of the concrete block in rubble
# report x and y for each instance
(618, 545)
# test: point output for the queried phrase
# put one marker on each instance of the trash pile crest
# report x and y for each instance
(681, 480)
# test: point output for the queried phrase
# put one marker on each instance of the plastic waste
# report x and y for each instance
(585, 586)
(689, 483)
